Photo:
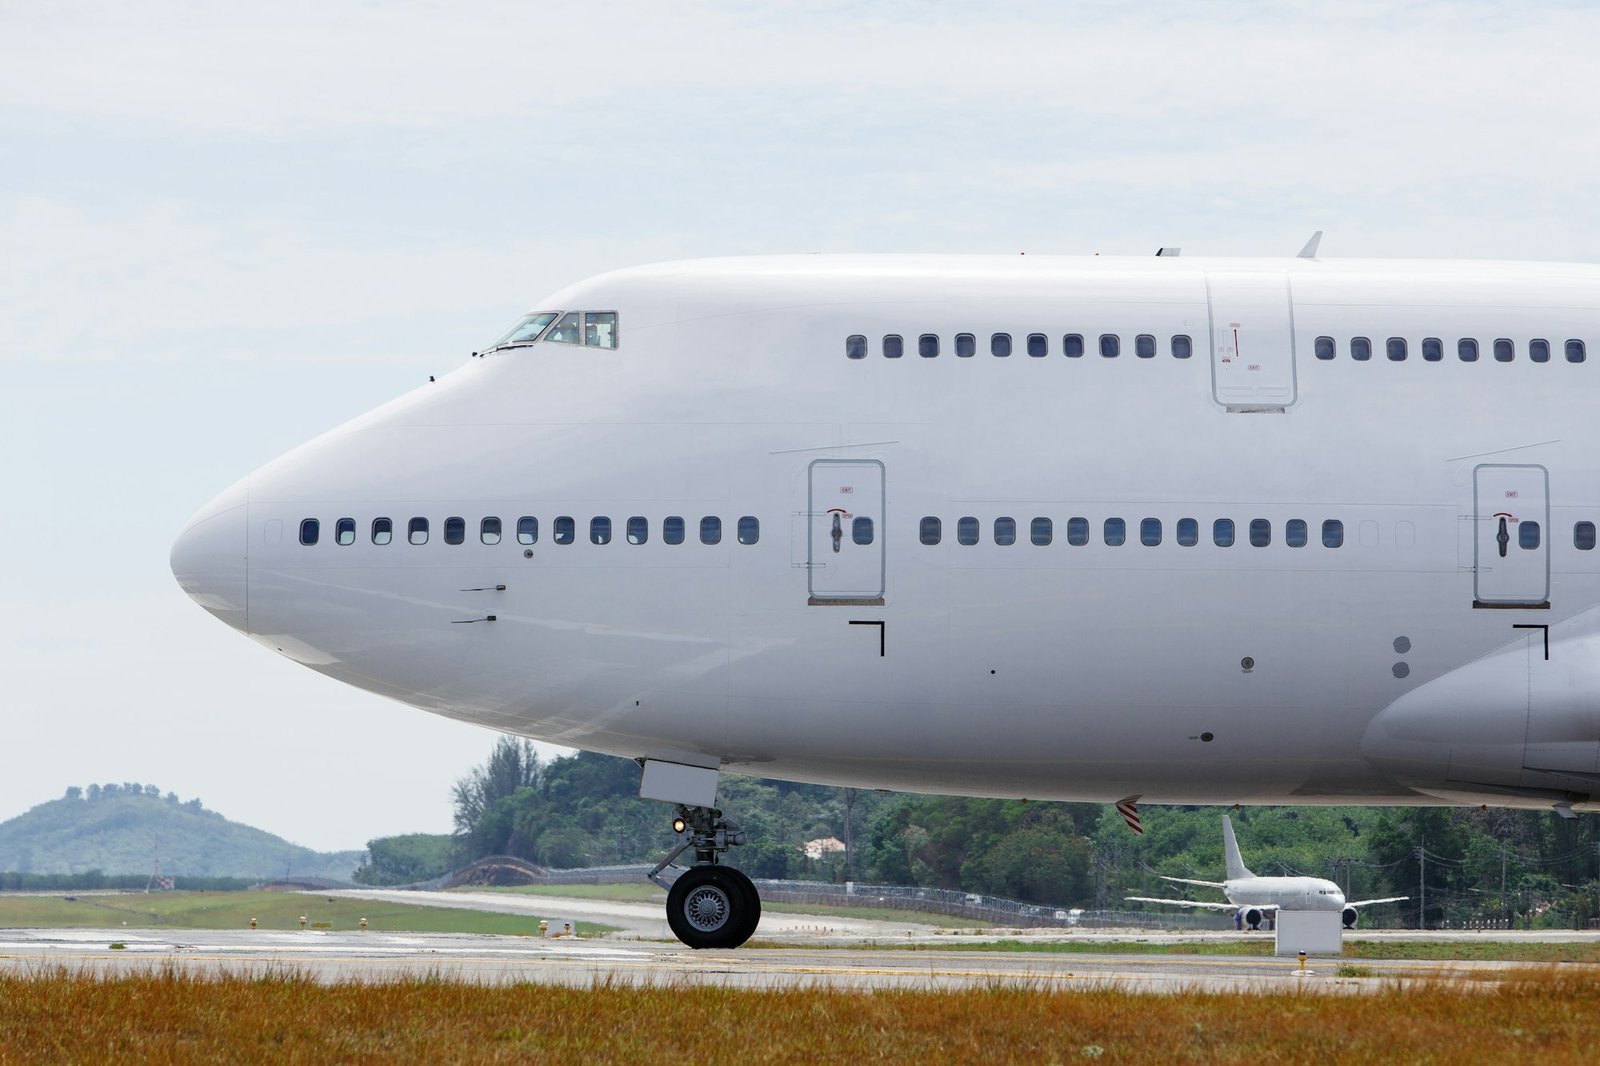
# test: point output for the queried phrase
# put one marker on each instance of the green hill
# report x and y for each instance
(126, 829)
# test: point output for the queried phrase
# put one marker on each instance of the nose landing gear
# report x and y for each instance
(708, 905)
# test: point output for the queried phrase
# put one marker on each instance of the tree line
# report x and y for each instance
(1460, 864)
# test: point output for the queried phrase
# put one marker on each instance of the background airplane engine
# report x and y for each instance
(1350, 917)
(1252, 918)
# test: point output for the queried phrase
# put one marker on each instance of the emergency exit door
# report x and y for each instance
(1511, 519)
(844, 544)
(1252, 340)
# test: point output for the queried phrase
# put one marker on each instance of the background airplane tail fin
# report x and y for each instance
(1230, 849)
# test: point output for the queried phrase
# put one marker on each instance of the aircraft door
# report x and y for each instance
(845, 532)
(1252, 340)
(1511, 518)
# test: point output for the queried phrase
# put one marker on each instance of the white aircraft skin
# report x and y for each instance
(1251, 896)
(1388, 670)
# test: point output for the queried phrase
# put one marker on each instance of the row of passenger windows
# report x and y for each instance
(1073, 345)
(564, 530)
(1224, 533)
(1398, 349)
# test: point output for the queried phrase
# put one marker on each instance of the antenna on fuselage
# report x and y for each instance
(1166, 251)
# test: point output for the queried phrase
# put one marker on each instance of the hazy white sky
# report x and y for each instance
(225, 230)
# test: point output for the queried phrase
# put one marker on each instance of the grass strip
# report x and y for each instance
(177, 1015)
(272, 910)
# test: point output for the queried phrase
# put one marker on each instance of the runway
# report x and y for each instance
(376, 956)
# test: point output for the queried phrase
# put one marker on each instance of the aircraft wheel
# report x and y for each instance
(752, 911)
(709, 908)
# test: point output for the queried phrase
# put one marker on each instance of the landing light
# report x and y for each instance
(679, 825)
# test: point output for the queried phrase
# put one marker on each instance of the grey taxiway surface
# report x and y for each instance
(793, 950)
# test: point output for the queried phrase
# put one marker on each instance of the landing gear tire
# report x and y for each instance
(712, 907)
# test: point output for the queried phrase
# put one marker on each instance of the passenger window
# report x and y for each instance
(527, 530)
(1575, 352)
(600, 329)
(1360, 349)
(1116, 532)
(710, 530)
(565, 331)
(1144, 346)
(1583, 536)
(928, 345)
(1467, 350)
(1072, 346)
(638, 529)
(1528, 535)
(489, 531)
(600, 530)
(1504, 350)
(417, 531)
(860, 531)
(566, 530)
(1000, 345)
(455, 530)
(930, 531)
(1041, 531)
(855, 347)
(1260, 532)
(1539, 351)
(1077, 532)
(1295, 533)
(1222, 532)
(345, 532)
(750, 530)
(1182, 346)
(1332, 533)
(310, 530)
(1150, 532)
(1038, 345)
(1325, 348)
(1110, 345)
(893, 346)
(1432, 349)
(672, 529)
(1005, 531)
(967, 530)
(1396, 349)
(966, 346)
(382, 530)
(1188, 532)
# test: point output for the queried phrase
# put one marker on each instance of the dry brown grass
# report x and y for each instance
(173, 1016)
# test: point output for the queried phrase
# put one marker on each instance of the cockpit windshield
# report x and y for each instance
(526, 331)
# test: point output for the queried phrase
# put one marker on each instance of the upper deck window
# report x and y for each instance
(1467, 349)
(928, 345)
(1539, 350)
(966, 345)
(1182, 346)
(1000, 345)
(1110, 345)
(1144, 346)
(1575, 352)
(855, 347)
(526, 331)
(1432, 349)
(1504, 350)
(1072, 345)
(1360, 349)
(1038, 345)
(894, 346)
(1324, 348)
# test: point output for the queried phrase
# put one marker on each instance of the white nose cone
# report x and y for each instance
(208, 558)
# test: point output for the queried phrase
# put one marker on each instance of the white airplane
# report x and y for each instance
(1205, 531)
(1254, 899)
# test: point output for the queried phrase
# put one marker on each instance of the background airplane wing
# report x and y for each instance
(1370, 902)
(1186, 903)
(1192, 881)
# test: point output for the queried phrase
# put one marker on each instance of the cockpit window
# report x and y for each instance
(600, 329)
(565, 331)
(527, 329)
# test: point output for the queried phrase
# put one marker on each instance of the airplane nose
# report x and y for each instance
(209, 557)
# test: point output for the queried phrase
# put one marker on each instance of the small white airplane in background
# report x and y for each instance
(1255, 899)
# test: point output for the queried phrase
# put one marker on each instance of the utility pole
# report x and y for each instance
(1422, 883)
(1505, 904)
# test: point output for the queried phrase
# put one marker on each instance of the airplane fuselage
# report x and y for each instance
(1182, 556)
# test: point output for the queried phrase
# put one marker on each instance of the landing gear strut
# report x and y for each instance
(708, 905)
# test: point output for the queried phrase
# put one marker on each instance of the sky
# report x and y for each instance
(224, 230)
